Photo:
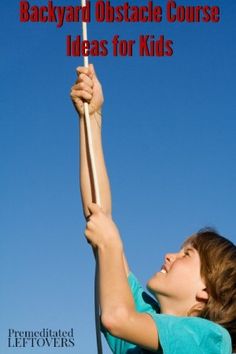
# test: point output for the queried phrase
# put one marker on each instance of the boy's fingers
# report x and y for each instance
(82, 87)
(78, 94)
(90, 225)
(82, 69)
(92, 69)
(86, 79)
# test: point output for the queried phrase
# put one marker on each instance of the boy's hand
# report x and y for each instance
(101, 232)
(87, 89)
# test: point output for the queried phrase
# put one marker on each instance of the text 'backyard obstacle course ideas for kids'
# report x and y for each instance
(147, 44)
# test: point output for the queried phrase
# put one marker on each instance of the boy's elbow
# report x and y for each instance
(114, 321)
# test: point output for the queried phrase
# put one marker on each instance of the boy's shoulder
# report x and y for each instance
(213, 334)
(206, 326)
(196, 334)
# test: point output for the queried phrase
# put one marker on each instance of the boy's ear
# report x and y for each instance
(202, 295)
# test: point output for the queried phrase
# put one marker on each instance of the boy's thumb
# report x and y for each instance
(93, 208)
(92, 69)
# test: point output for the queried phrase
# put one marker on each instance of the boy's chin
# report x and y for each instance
(150, 287)
(153, 281)
(154, 284)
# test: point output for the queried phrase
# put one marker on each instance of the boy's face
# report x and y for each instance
(179, 286)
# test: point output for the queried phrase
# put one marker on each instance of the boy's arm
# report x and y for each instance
(87, 192)
(119, 314)
(118, 309)
(88, 88)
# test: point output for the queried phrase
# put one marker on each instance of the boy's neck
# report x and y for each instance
(173, 307)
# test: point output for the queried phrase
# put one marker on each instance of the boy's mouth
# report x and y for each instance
(164, 269)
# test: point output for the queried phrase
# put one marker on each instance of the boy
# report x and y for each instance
(190, 291)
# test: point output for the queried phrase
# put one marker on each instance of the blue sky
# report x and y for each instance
(169, 142)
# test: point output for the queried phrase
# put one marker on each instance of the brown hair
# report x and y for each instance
(218, 270)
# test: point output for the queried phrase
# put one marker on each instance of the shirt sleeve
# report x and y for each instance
(143, 303)
(184, 335)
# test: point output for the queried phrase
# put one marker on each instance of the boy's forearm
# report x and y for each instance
(86, 185)
(114, 289)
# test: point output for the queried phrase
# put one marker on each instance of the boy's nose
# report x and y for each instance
(170, 257)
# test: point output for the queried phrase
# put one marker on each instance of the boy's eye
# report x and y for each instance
(186, 253)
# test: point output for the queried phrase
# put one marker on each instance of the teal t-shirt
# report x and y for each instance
(177, 335)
